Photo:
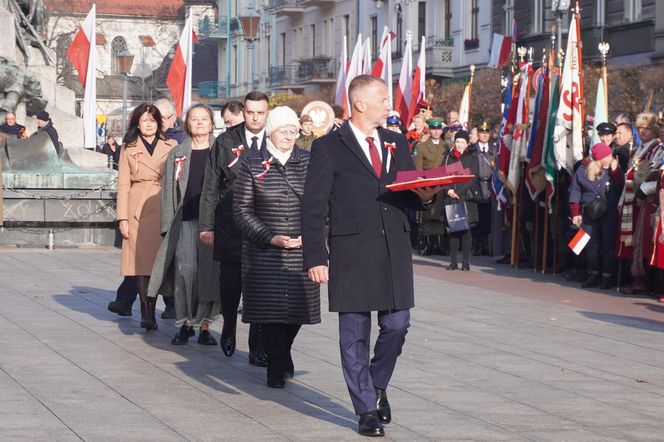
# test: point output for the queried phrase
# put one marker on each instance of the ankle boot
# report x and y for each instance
(147, 316)
(606, 282)
(593, 281)
(152, 302)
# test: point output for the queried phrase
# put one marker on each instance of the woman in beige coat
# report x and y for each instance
(140, 169)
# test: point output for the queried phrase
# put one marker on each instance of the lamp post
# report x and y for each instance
(250, 26)
(125, 60)
(559, 8)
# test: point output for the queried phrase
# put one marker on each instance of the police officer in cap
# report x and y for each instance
(486, 154)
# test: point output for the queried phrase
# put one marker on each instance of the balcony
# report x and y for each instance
(306, 3)
(440, 57)
(321, 70)
(282, 8)
(212, 89)
(211, 30)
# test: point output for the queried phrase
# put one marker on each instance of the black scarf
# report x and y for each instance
(149, 146)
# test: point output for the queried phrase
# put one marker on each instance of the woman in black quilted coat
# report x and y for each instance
(277, 292)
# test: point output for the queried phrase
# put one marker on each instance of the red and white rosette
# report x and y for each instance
(137, 156)
(237, 151)
(266, 164)
(179, 161)
(391, 147)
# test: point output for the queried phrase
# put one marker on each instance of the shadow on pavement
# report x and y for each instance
(627, 321)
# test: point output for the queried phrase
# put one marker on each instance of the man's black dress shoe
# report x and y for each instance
(168, 313)
(227, 346)
(276, 383)
(383, 407)
(369, 425)
(182, 337)
(453, 266)
(465, 266)
(119, 308)
(206, 338)
(258, 358)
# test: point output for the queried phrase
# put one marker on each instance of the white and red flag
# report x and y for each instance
(404, 88)
(366, 57)
(179, 76)
(501, 48)
(383, 66)
(340, 95)
(418, 86)
(354, 69)
(82, 55)
(568, 134)
(579, 241)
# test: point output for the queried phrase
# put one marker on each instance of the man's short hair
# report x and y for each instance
(256, 96)
(360, 82)
(233, 106)
(624, 124)
(165, 102)
(8, 113)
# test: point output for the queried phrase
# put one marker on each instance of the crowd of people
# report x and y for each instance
(259, 212)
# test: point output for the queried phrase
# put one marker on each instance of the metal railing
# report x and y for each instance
(212, 89)
(209, 28)
(307, 70)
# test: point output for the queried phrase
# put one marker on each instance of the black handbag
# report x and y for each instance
(596, 209)
(456, 217)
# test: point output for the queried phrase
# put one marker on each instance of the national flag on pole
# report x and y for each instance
(354, 69)
(579, 241)
(366, 57)
(501, 48)
(383, 67)
(404, 88)
(340, 95)
(570, 119)
(601, 112)
(82, 55)
(548, 156)
(179, 76)
(418, 91)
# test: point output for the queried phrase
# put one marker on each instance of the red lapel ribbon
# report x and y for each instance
(266, 164)
(137, 156)
(178, 167)
(391, 147)
(237, 151)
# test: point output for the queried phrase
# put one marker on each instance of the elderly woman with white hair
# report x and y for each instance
(267, 202)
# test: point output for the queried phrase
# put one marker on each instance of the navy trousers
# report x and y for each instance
(362, 374)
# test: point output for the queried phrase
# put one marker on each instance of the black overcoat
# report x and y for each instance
(276, 289)
(216, 206)
(370, 257)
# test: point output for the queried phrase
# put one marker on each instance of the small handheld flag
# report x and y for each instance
(579, 241)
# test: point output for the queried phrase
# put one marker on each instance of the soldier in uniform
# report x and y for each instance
(307, 135)
(430, 154)
(486, 152)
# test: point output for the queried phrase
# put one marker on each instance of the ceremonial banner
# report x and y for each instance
(548, 156)
(535, 175)
(496, 181)
(601, 112)
(519, 144)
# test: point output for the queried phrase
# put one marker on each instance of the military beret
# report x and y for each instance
(606, 128)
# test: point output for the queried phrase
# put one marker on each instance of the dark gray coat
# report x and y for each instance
(370, 256)
(172, 198)
(275, 287)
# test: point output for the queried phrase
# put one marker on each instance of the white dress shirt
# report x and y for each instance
(250, 135)
(364, 144)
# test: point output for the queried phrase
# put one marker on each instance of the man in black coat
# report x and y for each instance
(370, 257)
(216, 224)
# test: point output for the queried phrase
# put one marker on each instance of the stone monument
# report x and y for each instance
(48, 199)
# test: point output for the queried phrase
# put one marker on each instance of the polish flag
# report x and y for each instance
(500, 51)
(366, 57)
(403, 93)
(579, 241)
(383, 67)
(82, 55)
(340, 95)
(179, 76)
(417, 92)
(354, 69)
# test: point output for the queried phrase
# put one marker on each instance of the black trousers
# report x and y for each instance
(466, 240)
(128, 290)
(278, 340)
(230, 282)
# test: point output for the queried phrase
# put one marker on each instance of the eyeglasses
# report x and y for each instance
(166, 117)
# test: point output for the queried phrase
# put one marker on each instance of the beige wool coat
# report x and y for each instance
(139, 202)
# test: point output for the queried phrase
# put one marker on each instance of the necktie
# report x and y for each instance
(254, 144)
(375, 158)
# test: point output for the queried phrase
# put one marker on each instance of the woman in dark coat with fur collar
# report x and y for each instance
(277, 291)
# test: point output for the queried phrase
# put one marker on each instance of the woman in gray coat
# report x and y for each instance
(183, 262)
(267, 204)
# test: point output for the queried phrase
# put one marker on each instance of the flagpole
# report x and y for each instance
(604, 50)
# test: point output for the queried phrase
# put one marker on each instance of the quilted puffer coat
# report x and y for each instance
(275, 288)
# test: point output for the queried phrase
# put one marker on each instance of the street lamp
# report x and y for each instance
(125, 60)
(559, 8)
(250, 26)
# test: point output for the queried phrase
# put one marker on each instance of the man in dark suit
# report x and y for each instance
(216, 224)
(370, 258)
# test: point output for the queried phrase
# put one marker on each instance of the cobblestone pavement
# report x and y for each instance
(492, 354)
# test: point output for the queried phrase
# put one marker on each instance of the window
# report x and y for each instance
(474, 19)
(235, 64)
(633, 10)
(508, 6)
(399, 31)
(118, 45)
(374, 36)
(448, 20)
(282, 59)
(421, 21)
(346, 31)
(537, 17)
(313, 41)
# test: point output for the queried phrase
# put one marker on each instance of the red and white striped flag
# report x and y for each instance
(418, 91)
(403, 93)
(366, 57)
(82, 55)
(354, 69)
(500, 51)
(579, 241)
(340, 95)
(179, 76)
(383, 67)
